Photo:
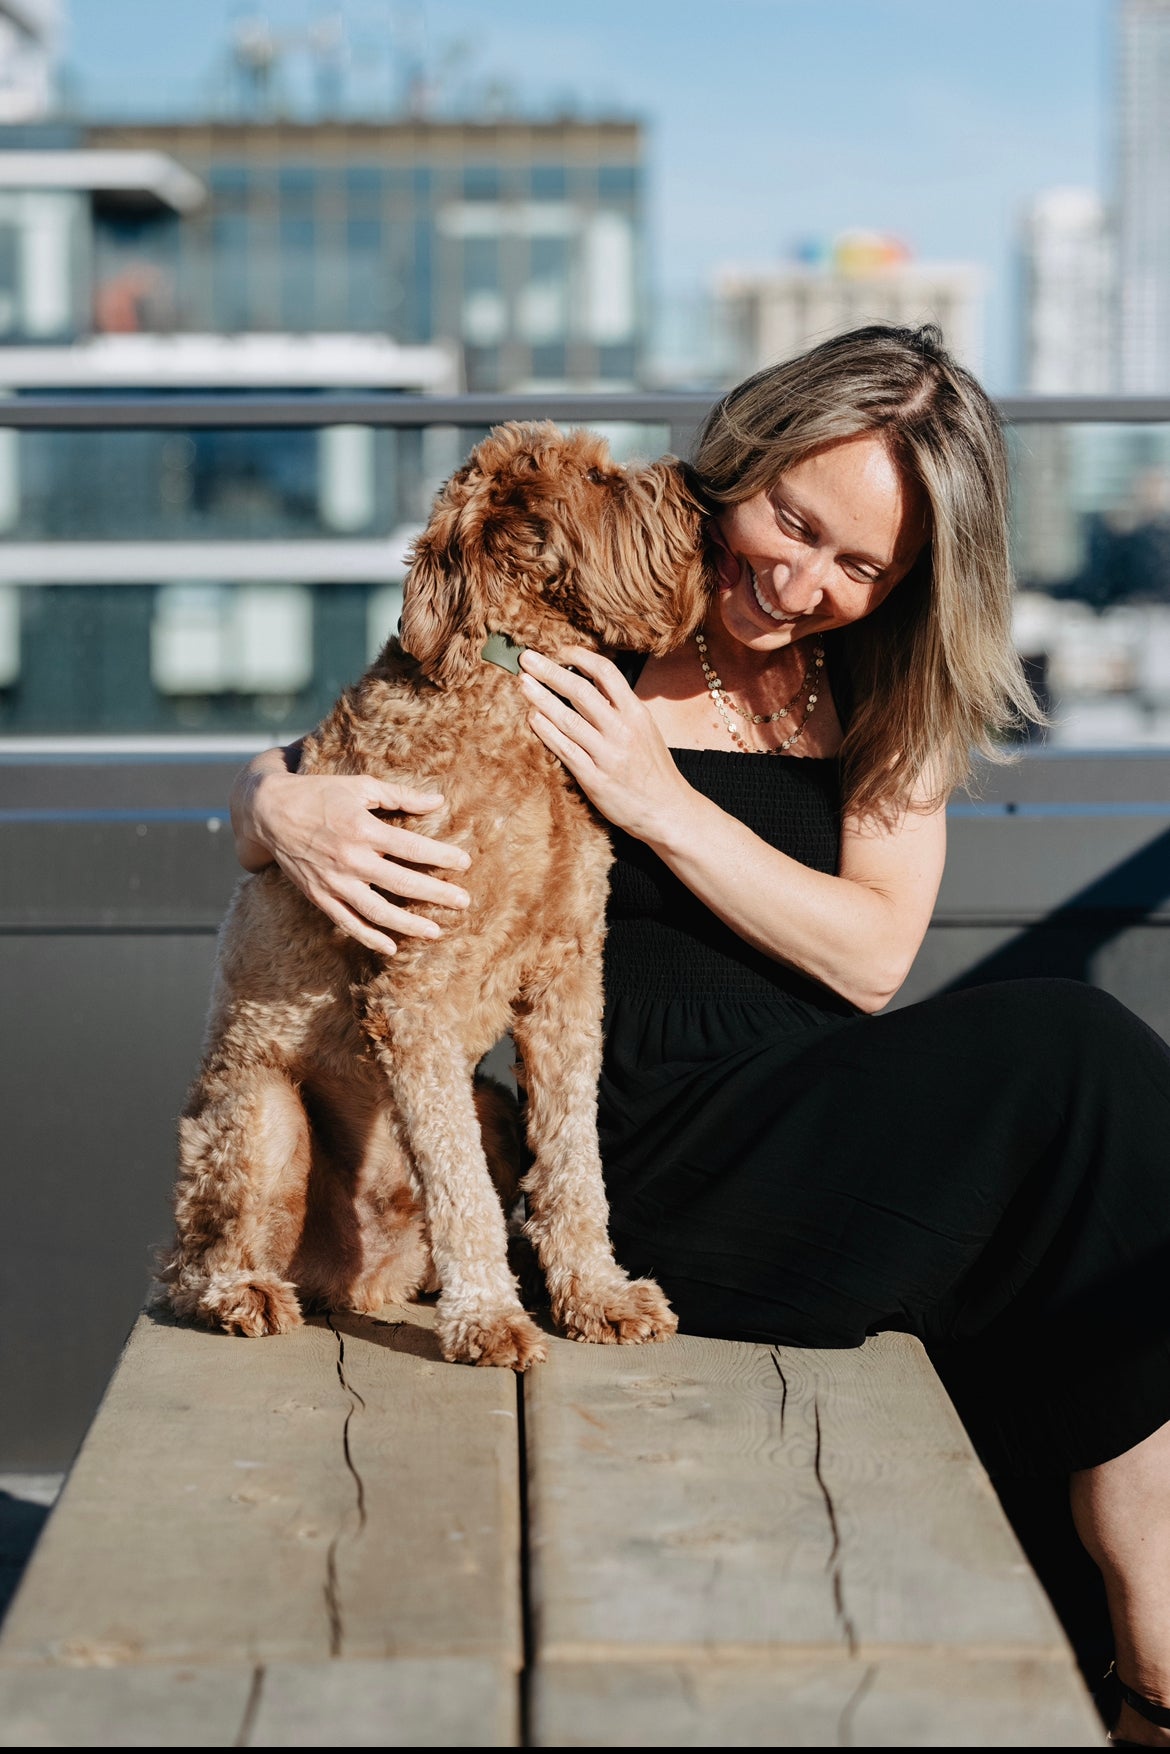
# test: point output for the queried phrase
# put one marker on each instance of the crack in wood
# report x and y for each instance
(778, 1368)
(849, 1709)
(333, 1606)
(833, 1563)
(251, 1707)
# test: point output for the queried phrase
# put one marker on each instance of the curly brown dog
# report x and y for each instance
(331, 1147)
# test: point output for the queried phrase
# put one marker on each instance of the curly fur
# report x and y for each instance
(333, 1149)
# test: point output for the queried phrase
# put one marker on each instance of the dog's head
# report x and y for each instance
(541, 536)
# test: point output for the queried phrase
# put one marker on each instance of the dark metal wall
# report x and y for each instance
(114, 875)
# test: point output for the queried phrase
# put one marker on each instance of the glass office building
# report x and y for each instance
(521, 242)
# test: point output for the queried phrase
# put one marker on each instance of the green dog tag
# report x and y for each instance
(503, 651)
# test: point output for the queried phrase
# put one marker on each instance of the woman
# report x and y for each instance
(985, 1170)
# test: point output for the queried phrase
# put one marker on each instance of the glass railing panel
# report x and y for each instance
(1092, 555)
(211, 584)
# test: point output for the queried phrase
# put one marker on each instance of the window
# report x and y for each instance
(481, 182)
(230, 185)
(549, 182)
(298, 188)
(297, 235)
(616, 363)
(548, 363)
(363, 183)
(617, 182)
(363, 237)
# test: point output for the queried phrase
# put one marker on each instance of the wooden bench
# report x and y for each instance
(336, 1539)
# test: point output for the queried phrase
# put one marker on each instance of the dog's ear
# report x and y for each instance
(446, 599)
(660, 571)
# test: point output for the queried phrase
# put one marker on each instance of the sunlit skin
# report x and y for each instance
(824, 547)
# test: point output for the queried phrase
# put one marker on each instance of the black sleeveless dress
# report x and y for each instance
(988, 1170)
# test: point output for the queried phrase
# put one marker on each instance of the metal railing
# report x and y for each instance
(680, 411)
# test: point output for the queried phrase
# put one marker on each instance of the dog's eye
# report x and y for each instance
(595, 475)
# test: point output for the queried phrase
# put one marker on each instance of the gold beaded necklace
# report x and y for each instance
(810, 682)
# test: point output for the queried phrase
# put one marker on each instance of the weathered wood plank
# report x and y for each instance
(407, 1702)
(927, 1701)
(215, 1516)
(123, 1708)
(411, 1702)
(707, 1496)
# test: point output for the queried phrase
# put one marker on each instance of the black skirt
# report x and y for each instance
(989, 1170)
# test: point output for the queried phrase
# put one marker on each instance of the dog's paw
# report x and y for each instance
(507, 1338)
(626, 1314)
(253, 1307)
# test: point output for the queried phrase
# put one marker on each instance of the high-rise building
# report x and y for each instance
(1143, 195)
(29, 33)
(772, 314)
(1067, 269)
(518, 242)
(1067, 264)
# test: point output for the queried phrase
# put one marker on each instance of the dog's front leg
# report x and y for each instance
(558, 1031)
(480, 1319)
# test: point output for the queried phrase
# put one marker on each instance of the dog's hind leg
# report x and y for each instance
(479, 1318)
(244, 1155)
(558, 1031)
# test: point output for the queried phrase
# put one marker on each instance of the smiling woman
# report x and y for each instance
(986, 1170)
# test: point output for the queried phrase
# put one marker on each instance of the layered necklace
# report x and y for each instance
(810, 682)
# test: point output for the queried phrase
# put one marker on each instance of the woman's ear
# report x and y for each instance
(444, 609)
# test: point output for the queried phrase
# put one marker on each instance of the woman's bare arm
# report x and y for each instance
(320, 829)
(857, 931)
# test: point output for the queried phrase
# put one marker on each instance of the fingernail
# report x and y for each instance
(465, 861)
(433, 931)
(462, 899)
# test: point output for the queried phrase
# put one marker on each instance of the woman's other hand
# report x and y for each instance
(320, 829)
(606, 738)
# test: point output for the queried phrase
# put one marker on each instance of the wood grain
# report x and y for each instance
(405, 1702)
(122, 1708)
(214, 1516)
(707, 1496)
(932, 1700)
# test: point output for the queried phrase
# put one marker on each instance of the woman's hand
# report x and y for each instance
(610, 744)
(320, 830)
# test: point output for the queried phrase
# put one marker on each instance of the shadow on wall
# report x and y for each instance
(1065, 942)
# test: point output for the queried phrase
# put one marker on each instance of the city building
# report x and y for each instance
(1143, 178)
(1067, 348)
(772, 314)
(1067, 295)
(29, 37)
(520, 243)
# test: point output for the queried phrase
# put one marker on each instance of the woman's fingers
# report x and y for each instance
(389, 795)
(603, 672)
(591, 705)
(378, 910)
(414, 849)
(576, 725)
(355, 926)
(578, 760)
(408, 881)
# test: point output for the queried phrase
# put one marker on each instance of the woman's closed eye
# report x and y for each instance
(794, 525)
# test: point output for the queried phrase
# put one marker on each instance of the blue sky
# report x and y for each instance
(768, 120)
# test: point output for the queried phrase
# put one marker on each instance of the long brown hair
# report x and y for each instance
(934, 674)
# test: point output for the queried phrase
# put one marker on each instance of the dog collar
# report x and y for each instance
(502, 650)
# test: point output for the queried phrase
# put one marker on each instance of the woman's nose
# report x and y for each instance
(800, 586)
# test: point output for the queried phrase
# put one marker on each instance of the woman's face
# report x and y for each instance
(821, 548)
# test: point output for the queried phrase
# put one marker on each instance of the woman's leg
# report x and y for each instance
(1122, 1513)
